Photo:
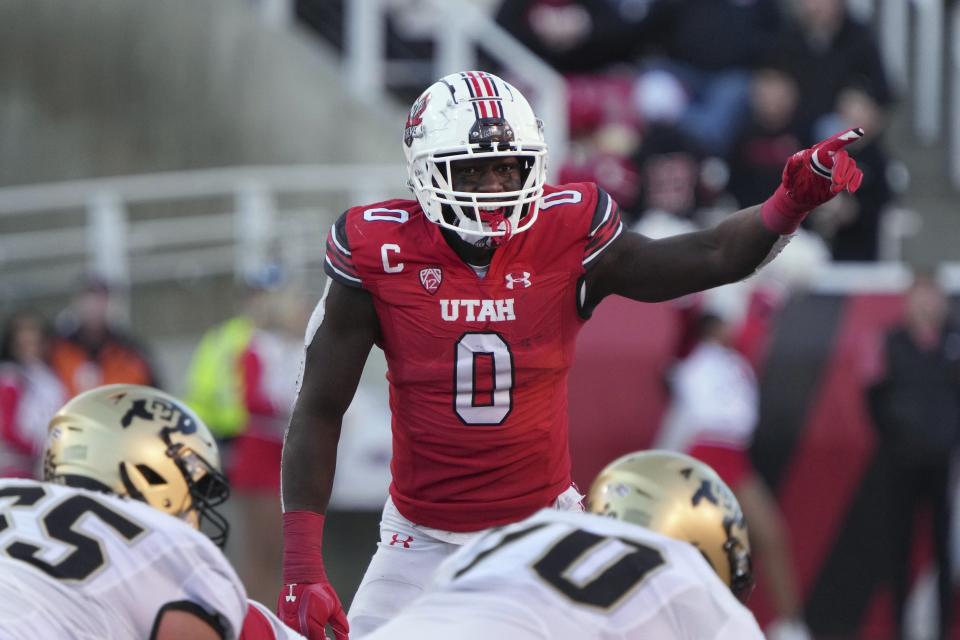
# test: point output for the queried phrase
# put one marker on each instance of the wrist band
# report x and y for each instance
(780, 214)
(302, 542)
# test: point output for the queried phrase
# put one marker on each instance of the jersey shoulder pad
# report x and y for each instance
(595, 210)
(574, 198)
(361, 227)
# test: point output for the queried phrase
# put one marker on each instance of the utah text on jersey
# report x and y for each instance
(477, 310)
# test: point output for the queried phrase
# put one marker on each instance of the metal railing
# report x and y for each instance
(133, 230)
(458, 30)
(237, 217)
(179, 225)
(912, 36)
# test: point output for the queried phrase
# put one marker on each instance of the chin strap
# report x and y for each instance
(497, 220)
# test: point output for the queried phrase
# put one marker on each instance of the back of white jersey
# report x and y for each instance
(270, 623)
(577, 575)
(81, 564)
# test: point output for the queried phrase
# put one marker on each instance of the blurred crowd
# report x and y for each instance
(687, 109)
(42, 364)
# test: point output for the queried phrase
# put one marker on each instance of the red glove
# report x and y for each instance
(308, 602)
(812, 177)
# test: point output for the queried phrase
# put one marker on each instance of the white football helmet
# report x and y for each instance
(468, 116)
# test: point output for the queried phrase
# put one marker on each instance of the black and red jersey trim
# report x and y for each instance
(605, 227)
(338, 262)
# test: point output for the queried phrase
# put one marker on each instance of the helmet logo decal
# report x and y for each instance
(414, 127)
(430, 278)
(704, 492)
(161, 411)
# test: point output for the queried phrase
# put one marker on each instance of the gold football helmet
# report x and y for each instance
(141, 443)
(682, 498)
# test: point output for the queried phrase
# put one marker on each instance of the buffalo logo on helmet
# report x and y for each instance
(430, 278)
(154, 409)
(414, 126)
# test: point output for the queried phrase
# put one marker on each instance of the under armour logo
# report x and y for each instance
(290, 597)
(396, 540)
(521, 279)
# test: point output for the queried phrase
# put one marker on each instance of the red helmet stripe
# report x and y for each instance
(488, 86)
(482, 85)
(477, 91)
(487, 90)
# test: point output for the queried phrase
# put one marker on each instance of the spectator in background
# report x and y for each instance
(90, 350)
(269, 369)
(915, 405)
(215, 381)
(30, 393)
(768, 136)
(851, 225)
(710, 46)
(578, 36)
(668, 162)
(841, 78)
(681, 189)
(712, 417)
(831, 51)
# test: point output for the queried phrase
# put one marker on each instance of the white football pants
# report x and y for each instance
(406, 557)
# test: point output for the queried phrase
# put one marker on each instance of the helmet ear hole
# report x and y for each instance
(130, 484)
(151, 476)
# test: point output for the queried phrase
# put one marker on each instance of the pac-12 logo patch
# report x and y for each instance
(430, 278)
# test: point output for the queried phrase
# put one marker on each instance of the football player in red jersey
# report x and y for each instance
(476, 291)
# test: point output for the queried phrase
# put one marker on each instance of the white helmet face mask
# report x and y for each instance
(474, 115)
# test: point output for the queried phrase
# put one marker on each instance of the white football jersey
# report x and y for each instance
(270, 623)
(562, 575)
(82, 564)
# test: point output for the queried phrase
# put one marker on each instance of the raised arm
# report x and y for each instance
(653, 270)
(341, 333)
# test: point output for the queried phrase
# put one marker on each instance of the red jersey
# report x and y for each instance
(477, 366)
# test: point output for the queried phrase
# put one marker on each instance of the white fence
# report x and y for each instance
(171, 226)
(220, 221)
(189, 225)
